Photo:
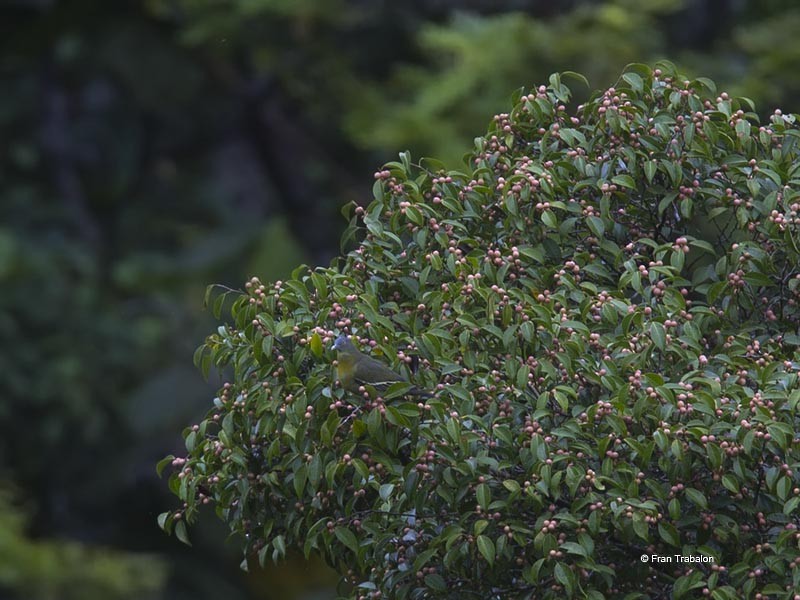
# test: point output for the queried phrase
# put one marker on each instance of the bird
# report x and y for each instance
(355, 369)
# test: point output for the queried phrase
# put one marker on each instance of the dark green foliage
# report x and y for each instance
(608, 304)
(120, 195)
(69, 570)
(424, 75)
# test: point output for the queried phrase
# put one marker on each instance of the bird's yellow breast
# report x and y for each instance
(345, 369)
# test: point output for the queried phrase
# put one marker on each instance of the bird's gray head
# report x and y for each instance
(342, 343)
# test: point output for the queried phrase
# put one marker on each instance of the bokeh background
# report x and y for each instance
(150, 148)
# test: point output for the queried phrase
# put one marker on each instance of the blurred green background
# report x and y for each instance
(150, 148)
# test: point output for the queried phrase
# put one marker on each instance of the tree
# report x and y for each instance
(67, 569)
(607, 309)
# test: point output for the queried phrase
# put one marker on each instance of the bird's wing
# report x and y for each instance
(372, 372)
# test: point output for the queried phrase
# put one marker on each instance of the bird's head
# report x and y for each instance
(343, 344)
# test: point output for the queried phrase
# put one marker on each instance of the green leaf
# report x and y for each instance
(549, 219)
(574, 548)
(181, 533)
(650, 168)
(669, 534)
(436, 582)
(658, 334)
(730, 483)
(486, 548)
(640, 526)
(320, 284)
(216, 308)
(674, 508)
(415, 215)
(783, 487)
(596, 226)
(636, 83)
(781, 435)
(300, 478)
(697, 497)
(348, 538)
(484, 495)
(386, 491)
(280, 545)
(686, 584)
(791, 506)
(681, 587)
(163, 463)
(624, 181)
(574, 75)
(565, 577)
(480, 526)
(316, 345)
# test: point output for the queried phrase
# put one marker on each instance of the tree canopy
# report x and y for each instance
(606, 305)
